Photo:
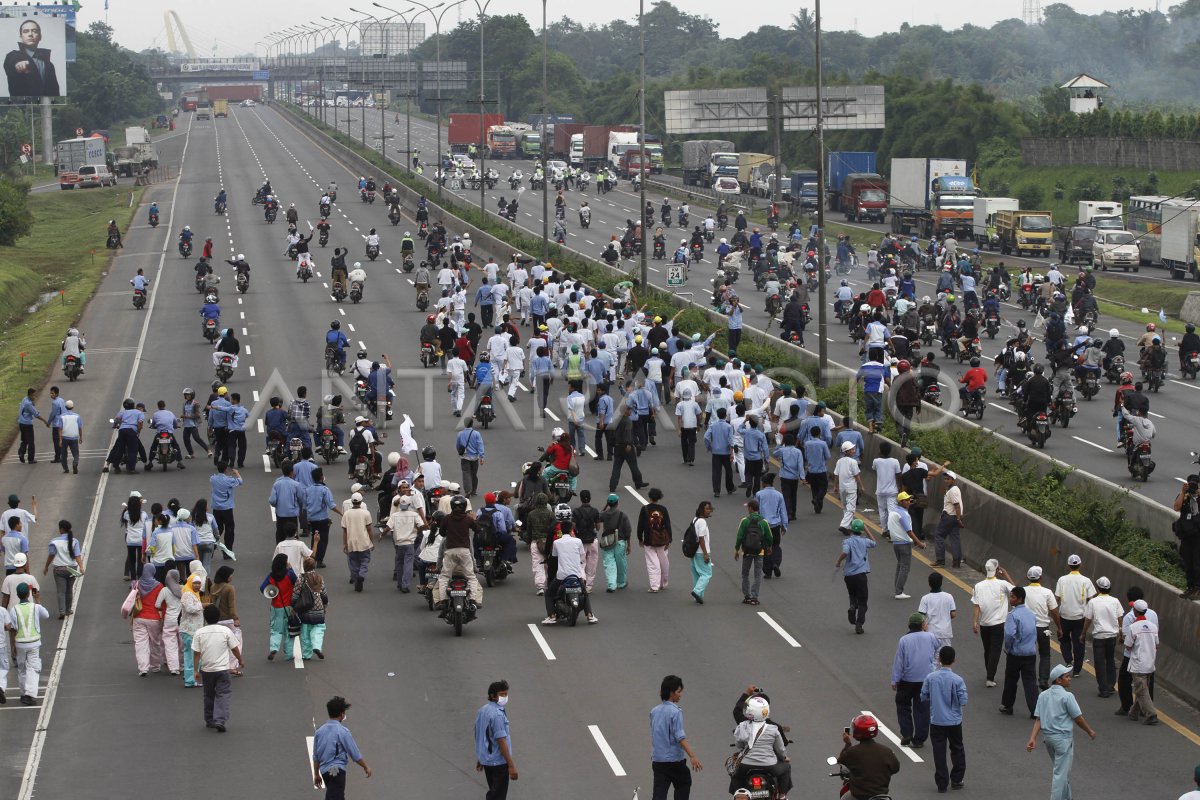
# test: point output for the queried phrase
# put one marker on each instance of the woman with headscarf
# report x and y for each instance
(312, 621)
(170, 630)
(147, 622)
(191, 619)
(283, 579)
(136, 524)
(223, 595)
(206, 532)
(196, 569)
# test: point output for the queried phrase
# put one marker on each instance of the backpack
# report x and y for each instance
(487, 527)
(358, 443)
(295, 412)
(303, 598)
(657, 534)
(691, 542)
(752, 540)
(610, 536)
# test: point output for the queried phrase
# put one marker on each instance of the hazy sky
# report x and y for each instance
(234, 26)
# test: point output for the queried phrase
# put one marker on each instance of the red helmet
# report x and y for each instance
(903, 366)
(431, 318)
(863, 727)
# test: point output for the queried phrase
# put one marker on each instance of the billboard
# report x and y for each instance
(63, 12)
(36, 66)
(708, 111)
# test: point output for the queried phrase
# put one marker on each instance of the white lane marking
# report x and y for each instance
(256, 400)
(1093, 444)
(886, 731)
(1151, 413)
(297, 659)
(787, 637)
(589, 450)
(260, 423)
(267, 468)
(552, 415)
(244, 332)
(341, 311)
(1188, 385)
(541, 642)
(1002, 408)
(243, 314)
(239, 301)
(350, 325)
(362, 345)
(251, 372)
(607, 751)
(308, 742)
(247, 349)
(637, 496)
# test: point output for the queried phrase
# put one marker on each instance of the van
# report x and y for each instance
(96, 175)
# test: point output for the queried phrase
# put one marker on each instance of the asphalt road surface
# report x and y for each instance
(580, 696)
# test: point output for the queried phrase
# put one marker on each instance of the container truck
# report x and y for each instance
(863, 196)
(576, 155)
(563, 133)
(1023, 232)
(501, 142)
(465, 130)
(840, 164)
(747, 163)
(1090, 209)
(71, 154)
(220, 108)
(654, 147)
(697, 160)
(983, 223)
(595, 147)
(804, 189)
(631, 163)
(932, 197)
(620, 141)
(189, 102)
(1180, 236)
(529, 144)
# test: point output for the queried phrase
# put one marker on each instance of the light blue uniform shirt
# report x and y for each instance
(333, 746)
(852, 436)
(162, 421)
(791, 462)
(1057, 709)
(222, 491)
(772, 507)
(302, 472)
(816, 455)
(317, 502)
(286, 497)
(58, 407)
(754, 445)
(916, 654)
(946, 693)
(218, 414)
(666, 732)
(1020, 632)
(27, 413)
(604, 410)
(735, 319)
(855, 548)
(128, 418)
(237, 418)
(491, 724)
(471, 442)
(719, 437)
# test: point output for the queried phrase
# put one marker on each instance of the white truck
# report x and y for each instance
(1090, 209)
(983, 224)
(576, 155)
(618, 143)
(70, 155)
(1180, 240)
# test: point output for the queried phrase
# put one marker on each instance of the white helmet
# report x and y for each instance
(562, 512)
(1114, 333)
(757, 709)
(187, 227)
(73, 332)
(1020, 356)
(724, 241)
(357, 264)
(864, 308)
(241, 257)
(212, 298)
(556, 433)
(393, 459)
(1084, 330)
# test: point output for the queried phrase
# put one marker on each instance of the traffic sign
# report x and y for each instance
(26, 149)
(79, 131)
(675, 275)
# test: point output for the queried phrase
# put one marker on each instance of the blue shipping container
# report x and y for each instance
(841, 164)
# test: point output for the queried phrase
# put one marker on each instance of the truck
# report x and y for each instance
(1073, 243)
(1023, 232)
(654, 146)
(137, 154)
(465, 130)
(619, 141)
(220, 108)
(631, 163)
(1180, 236)
(190, 102)
(983, 223)
(595, 147)
(747, 163)
(529, 144)
(762, 181)
(697, 159)
(1089, 209)
(932, 197)
(501, 142)
(804, 189)
(563, 131)
(203, 109)
(71, 154)
(840, 164)
(576, 155)
(863, 196)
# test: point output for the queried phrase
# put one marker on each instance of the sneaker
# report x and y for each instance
(858, 628)
(1006, 710)
(549, 620)
(1121, 712)
(220, 728)
(697, 598)
(318, 654)
(957, 785)
(850, 615)
(26, 700)
(593, 619)
(903, 596)
(990, 684)
(540, 591)
(3, 698)
(1151, 720)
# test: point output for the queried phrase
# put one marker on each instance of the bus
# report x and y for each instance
(1144, 219)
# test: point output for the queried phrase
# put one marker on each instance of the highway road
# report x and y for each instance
(580, 696)
(1090, 440)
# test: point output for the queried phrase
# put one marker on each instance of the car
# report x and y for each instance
(555, 164)
(96, 175)
(463, 161)
(727, 186)
(248, 103)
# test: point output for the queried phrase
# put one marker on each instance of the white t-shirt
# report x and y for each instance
(1192, 795)
(432, 472)
(569, 551)
(897, 529)
(296, 551)
(1041, 602)
(514, 358)
(9, 587)
(702, 535)
(1073, 591)
(991, 595)
(886, 472)
(1104, 611)
(937, 607)
(214, 644)
(688, 412)
(847, 470)
(456, 368)
(953, 498)
(27, 520)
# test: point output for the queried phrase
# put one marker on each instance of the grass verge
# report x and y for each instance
(46, 280)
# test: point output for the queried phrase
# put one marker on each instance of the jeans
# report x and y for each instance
(1104, 659)
(70, 446)
(903, 564)
(1072, 644)
(912, 712)
(358, 561)
(1062, 753)
(218, 688)
(497, 781)
(874, 409)
(668, 774)
(1024, 669)
(615, 565)
(64, 583)
(856, 588)
(658, 566)
(205, 554)
(722, 464)
(992, 637)
(190, 433)
(735, 338)
(701, 574)
(403, 565)
(939, 737)
(751, 564)
(947, 528)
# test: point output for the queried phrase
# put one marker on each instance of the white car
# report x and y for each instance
(727, 186)
(463, 161)
(248, 103)
(561, 166)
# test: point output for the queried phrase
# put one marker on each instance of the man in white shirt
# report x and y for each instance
(939, 610)
(514, 365)
(950, 525)
(1042, 604)
(849, 484)
(456, 371)
(1102, 616)
(295, 550)
(403, 524)
(990, 599)
(14, 510)
(570, 554)
(887, 473)
(213, 645)
(1143, 639)
(1073, 591)
(8, 589)
(687, 413)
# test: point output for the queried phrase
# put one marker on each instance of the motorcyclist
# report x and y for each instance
(151, 213)
(1155, 357)
(140, 282)
(357, 274)
(792, 324)
(185, 236)
(1035, 392)
(303, 256)
(74, 345)
(270, 205)
(558, 457)
(975, 379)
(330, 415)
(336, 339)
(210, 309)
(460, 529)
(1146, 338)
(370, 186)
(372, 239)
(429, 331)
(292, 216)
(1190, 343)
(1089, 361)
(228, 344)
(1115, 347)
(323, 229)
(1140, 427)
(697, 238)
(969, 331)
(610, 254)
(265, 190)
(871, 765)
(239, 264)
(762, 745)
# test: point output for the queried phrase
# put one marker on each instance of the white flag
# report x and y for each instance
(407, 443)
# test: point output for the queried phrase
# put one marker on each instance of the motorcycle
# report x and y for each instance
(1038, 429)
(304, 271)
(933, 395)
(1116, 366)
(333, 195)
(928, 331)
(975, 404)
(164, 450)
(774, 306)
(333, 361)
(364, 471)
(154, 219)
(409, 264)
(275, 451)
(697, 252)
(1139, 461)
(1025, 298)
(394, 217)
(972, 350)
(560, 488)
(492, 566)
(211, 332)
(722, 221)
(292, 252)
(360, 391)
(219, 207)
(372, 251)
(325, 209)
(1062, 407)
(323, 237)
(72, 368)
(328, 447)
(484, 411)
(429, 354)
(368, 195)
(1153, 377)
(185, 248)
(271, 215)
(224, 369)
(460, 608)
(422, 299)
(513, 182)
(139, 299)
(242, 281)
(660, 250)
(709, 235)
(356, 291)
(992, 325)
(1089, 385)
(339, 292)
(843, 772)
(423, 229)
(569, 600)
(1191, 365)
(295, 447)
(585, 218)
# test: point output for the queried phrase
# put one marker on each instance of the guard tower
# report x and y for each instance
(1085, 93)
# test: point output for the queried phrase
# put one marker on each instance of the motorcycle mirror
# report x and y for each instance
(831, 761)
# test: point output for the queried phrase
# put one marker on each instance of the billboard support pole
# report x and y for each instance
(822, 311)
(47, 129)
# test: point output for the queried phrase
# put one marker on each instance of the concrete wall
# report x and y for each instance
(1113, 152)
(1191, 308)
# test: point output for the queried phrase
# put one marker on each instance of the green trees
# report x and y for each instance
(15, 219)
(105, 84)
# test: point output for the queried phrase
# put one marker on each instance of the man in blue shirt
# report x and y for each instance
(821, 421)
(847, 433)
(855, 570)
(222, 483)
(318, 502)
(164, 421)
(604, 422)
(287, 497)
(874, 376)
(718, 440)
(336, 339)
(470, 447)
(916, 653)
(129, 421)
(485, 301)
(773, 509)
(1055, 716)
(1020, 642)
(669, 744)
(333, 750)
(816, 465)
(946, 693)
(302, 470)
(235, 439)
(734, 333)
(57, 407)
(275, 421)
(791, 472)
(493, 742)
(755, 451)
(218, 420)
(26, 414)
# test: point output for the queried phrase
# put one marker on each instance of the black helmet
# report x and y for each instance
(438, 516)
(458, 503)
(335, 325)
(428, 453)
(974, 362)
(1021, 324)
(1038, 369)
(362, 353)
(1190, 328)
(127, 403)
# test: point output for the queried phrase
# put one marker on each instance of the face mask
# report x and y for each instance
(345, 716)
(502, 700)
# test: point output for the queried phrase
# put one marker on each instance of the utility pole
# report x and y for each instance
(822, 307)
(643, 273)
(778, 148)
(545, 112)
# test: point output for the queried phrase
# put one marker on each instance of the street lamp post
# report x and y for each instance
(408, 86)
(382, 119)
(437, 27)
(545, 112)
(482, 139)
(822, 316)
(345, 28)
(643, 272)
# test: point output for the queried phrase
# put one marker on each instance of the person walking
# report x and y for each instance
(26, 414)
(654, 537)
(1056, 714)
(493, 742)
(283, 579)
(1102, 617)
(718, 441)
(900, 528)
(213, 645)
(356, 540)
(850, 483)
(670, 750)
(916, 654)
(470, 447)
(773, 508)
(946, 693)
(939, 609)
(333, 750)
(27, 618)
(702, 558)
(403, 524)
(587, 528)
(287, 498)
(990, 601)
(615, 535)
(223, 482)
(223, 595)
(70, 433)
(1073, 591)
(1143, 637)
(318, 505)
(624, 451)
(1124, 677)
(1044, 605)
(816, 466)
(791, 472)
(148, 622)
(1020, 643)
(687, 423)
(191, 619)
(855, 569)
(66, 556)
(950, 524)
(887, 483)
(312, 619)
(754, 542)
